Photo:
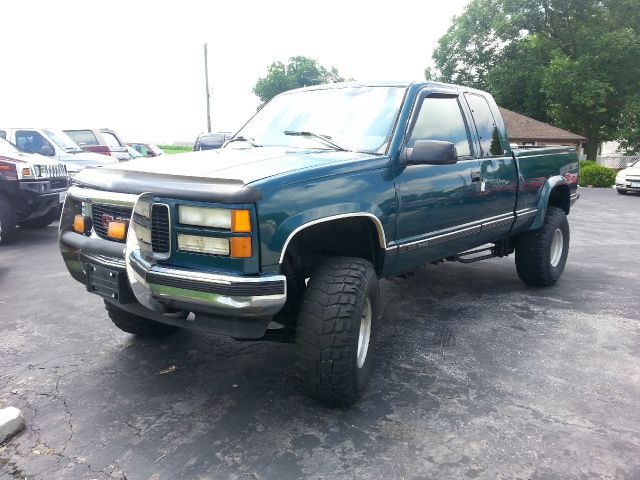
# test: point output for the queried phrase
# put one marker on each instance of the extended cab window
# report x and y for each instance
(440, 118)
(485, 125)
(83, 137)
(110, 139)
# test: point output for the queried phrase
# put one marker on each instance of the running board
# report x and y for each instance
(501, 248)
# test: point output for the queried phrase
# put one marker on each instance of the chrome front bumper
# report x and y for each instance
(157, 286)
(162, 289)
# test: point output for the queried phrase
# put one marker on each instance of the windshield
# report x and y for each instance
(62, 140)
(356, 118)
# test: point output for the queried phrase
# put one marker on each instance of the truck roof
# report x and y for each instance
(386, 83)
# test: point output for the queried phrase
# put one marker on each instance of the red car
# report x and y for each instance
(100, 140)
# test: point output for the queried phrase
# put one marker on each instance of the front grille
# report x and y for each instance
(160, 235)
(103, 214)
(50, 171)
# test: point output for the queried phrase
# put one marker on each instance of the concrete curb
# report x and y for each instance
(11, 422)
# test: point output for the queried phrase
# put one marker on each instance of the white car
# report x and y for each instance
(628, 180)
(57, 145)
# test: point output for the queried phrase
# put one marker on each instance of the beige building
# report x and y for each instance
(526, 131)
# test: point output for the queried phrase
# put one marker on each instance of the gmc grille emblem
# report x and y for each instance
(106, 219)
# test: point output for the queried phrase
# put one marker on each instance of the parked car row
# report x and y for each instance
(37, 164)
(56, 145)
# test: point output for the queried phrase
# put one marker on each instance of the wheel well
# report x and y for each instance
(561, 197)
(346, 237)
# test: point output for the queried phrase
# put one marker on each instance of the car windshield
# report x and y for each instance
(62, 140)
(355, 118)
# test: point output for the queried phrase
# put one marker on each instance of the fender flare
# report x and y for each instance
(543, 201)
(382, 240)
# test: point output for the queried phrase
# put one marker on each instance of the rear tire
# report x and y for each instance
(337, 329)
(44, 221)
(541, 254)
(7, 219)
(136, 325)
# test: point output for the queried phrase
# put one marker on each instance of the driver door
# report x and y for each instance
(438, 202)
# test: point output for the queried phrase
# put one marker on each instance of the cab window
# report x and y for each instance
(488, 134)
(31, 142)
(440, 118)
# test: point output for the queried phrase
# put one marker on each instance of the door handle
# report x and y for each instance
(476, 176)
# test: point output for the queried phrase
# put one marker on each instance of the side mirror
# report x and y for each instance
(149, 153)
(430, 152)
(47, 150)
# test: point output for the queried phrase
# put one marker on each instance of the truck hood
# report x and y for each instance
(222, 175)
(28, 159)
(246, 165)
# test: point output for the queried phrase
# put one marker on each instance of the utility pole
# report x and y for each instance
(206, 81)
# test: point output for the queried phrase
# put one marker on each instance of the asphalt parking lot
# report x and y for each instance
(478, 376)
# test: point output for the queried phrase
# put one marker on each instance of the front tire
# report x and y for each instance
(621, 192)
(541, 254)
(336, 331)
(136, 325)
(7, 219)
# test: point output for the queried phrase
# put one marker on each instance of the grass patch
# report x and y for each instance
(174, 149)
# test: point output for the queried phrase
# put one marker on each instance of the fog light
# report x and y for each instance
(117, 230)
(241, 247)
(78, 224)
(82, 224)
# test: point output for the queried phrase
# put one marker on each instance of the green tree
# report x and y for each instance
(298, 72)
(574, 63)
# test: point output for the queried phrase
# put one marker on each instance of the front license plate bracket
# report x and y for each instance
(109, 283)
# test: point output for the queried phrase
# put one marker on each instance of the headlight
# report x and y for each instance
(620, 178)
(204, 216)
(197, 244)
(238, 221)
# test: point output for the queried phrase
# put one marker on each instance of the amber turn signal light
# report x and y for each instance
(78, 224)
(240, 221)
(240, 247)
(117, 230)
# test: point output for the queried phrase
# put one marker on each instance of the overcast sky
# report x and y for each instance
(137, 66)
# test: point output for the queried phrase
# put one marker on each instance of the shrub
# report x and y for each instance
(586, 163)
(174, 149)
(597, 176)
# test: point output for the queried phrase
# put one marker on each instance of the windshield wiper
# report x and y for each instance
(326, 139)
(240, 138)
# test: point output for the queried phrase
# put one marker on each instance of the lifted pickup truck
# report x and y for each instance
(32, 189)
(284, 233)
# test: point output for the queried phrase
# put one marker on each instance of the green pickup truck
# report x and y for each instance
(283, 233)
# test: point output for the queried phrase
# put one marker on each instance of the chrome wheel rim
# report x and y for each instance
(365, 332)
(557, 244)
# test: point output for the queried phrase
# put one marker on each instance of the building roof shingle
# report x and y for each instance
(523, 128)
